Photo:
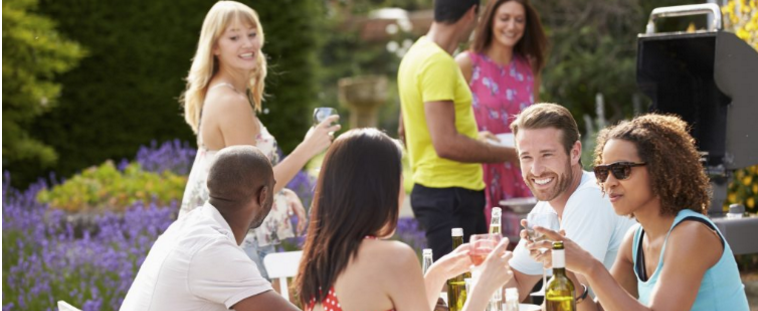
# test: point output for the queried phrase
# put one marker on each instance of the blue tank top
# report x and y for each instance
(721, 287)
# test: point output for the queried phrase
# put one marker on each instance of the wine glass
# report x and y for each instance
(321, 113)
(547, 220)
(482, 245)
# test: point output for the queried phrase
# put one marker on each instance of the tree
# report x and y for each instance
(594, 50)
(33, 54)
(124, 94)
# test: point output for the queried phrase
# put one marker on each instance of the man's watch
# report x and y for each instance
(583, 296)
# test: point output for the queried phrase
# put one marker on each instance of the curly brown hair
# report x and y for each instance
(663, 142)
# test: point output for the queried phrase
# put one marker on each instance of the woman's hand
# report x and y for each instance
(545, 258)
(456, 262)
(320, 136)
(577, 259)
(495, 269)
(295, 206)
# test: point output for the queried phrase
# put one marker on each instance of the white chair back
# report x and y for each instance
(282, 266)
(64, 306)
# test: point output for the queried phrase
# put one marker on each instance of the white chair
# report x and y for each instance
(282, 266)
(64, 306)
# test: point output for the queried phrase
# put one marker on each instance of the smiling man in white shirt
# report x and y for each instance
(549, 150)
(197, 263)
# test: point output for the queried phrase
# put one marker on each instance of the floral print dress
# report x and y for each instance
(276, 226)
(499, 94)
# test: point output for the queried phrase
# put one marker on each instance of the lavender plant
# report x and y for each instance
(174, 156)
(45, 259)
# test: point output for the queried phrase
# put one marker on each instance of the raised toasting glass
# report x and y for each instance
(547, 220)
(321, 113)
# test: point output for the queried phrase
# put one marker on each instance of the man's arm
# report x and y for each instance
(449, 144)
(268, 300)
(524, 282)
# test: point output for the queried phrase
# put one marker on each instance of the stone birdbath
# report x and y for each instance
(363, 95)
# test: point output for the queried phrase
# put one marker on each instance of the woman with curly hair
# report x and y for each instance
(676, 258)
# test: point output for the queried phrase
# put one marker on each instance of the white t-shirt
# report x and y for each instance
(195, 265)
(589, 220)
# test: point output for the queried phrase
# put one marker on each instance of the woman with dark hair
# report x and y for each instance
(676, 258)
(502, 69)
(347, 262)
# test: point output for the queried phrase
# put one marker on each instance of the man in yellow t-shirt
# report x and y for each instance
(440, 130)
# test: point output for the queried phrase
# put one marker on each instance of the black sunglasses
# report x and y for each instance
(620, 170)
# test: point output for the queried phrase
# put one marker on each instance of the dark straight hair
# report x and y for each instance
(451, 11)
(356, 196)
(532, 45)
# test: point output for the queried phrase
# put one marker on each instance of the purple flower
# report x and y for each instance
(175, 156)
(48, 258)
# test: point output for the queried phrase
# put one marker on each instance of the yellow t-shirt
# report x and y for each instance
(428, 73)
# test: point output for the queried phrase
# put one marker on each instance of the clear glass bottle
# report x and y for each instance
(428, 259)
(559, 293)
(496, 224)
(511, 299)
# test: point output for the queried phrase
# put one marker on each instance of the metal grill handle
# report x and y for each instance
(712, 9)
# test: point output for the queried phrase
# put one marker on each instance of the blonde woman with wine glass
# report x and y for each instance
(224, 94)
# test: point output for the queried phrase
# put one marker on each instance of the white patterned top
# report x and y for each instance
(276, 226)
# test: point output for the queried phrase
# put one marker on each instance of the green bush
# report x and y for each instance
(125, 93)
(106, 188)
(34, 53)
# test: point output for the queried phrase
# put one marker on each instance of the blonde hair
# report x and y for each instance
(205, 65)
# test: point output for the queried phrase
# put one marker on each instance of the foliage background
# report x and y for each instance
(34, 54)
(124, 92)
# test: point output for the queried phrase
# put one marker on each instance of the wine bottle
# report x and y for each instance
(496, 224)
(428, 260)
(456, 287)
(559, 293)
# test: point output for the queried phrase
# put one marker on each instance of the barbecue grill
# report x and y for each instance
(709, 78)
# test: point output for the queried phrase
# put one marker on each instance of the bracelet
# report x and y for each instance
(583, 296)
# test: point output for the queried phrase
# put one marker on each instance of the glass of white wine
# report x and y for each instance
(545, 219)
(321, 113)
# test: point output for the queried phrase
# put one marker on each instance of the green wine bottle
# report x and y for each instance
(456, 287)
(559, 294)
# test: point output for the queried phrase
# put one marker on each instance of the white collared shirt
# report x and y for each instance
(195, 265)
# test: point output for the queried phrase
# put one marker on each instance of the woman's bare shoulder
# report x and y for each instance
(392, 254)
(225, 98)
(694, 241)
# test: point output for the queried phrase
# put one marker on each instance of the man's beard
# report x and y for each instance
(560, 184)
(266, 210)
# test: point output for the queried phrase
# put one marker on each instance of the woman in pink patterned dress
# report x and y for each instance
(502, 69)
(224, 94)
